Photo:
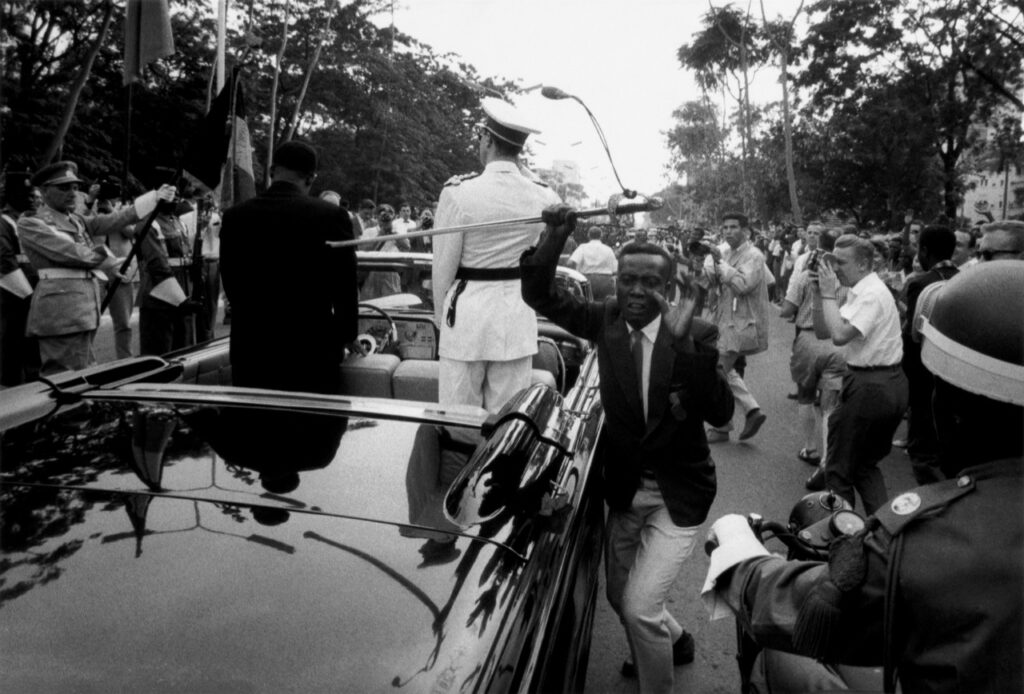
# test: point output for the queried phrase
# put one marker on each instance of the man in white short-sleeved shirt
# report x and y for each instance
(874, 394)
(597, 262)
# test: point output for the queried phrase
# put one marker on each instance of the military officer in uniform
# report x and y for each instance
(19, 355)
(65, 309)
(166, 320)
(931, 587)
(488, 334)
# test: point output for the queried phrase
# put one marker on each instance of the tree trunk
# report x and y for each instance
(787, 131)
(309, 73)
(273, 96)
(76, 89)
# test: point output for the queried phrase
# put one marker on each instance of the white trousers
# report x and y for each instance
(646, 550)
(739, 389)
(486, 384)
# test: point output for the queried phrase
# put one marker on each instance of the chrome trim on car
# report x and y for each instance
(404, 410)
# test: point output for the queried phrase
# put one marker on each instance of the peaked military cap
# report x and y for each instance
(505, 122)
(56, 174)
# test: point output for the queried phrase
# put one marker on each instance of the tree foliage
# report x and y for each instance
(890, 96)
(392, 118)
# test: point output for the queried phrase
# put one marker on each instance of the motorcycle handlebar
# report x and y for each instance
(768, 529)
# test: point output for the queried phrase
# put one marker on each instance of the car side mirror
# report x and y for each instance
(523, 445)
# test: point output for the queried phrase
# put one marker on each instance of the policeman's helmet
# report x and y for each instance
(974, 344)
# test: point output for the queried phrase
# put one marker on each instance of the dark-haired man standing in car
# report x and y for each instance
(660, 382)
(289, 333)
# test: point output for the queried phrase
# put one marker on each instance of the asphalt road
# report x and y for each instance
(762, 475)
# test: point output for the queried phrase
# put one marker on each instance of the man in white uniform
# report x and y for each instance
(488, 334)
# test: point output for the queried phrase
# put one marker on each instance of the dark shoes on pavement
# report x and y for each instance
(755, 418)
(816, 482)
(682, 654)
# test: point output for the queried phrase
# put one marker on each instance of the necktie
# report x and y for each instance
(636, 346)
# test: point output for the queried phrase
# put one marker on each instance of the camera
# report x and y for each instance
(110, 189)
(815, 260)
(698, 248)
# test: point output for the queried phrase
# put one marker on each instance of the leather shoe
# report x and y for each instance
(816, 482)
(682, 654)
(755, 418)
(716, 436)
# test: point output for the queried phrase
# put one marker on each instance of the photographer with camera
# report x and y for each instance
(816, 365)
(874, 394)
(741, 314)
(379, 283)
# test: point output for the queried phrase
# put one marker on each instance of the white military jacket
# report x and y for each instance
(492, 323)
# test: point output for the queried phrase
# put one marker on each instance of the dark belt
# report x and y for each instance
(801, 330)
(890, 367)
(479, 274)
(485, 274)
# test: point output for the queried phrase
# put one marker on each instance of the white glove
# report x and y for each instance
(736, 543)
(147, 202)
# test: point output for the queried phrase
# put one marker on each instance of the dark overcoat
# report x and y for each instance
(294, 300)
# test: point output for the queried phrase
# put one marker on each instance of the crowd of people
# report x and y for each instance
(677, 318)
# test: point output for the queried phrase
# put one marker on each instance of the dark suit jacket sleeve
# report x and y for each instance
(717, 403)
(540, 293)
(346, 285)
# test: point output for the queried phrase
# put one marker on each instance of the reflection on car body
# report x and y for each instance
(163, 530)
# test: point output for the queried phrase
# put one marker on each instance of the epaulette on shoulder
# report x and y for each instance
(897, 514)
(459, 178)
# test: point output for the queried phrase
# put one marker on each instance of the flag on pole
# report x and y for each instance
(220, 155)
(238, 182)
(147, 36)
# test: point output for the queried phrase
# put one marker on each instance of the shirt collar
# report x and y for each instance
(943, 263)
(502, 165)
(650, 330)
(866, 281)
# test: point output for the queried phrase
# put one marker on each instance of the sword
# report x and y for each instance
(613, 209)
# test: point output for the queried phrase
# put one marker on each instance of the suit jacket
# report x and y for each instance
(912, 350)
(742, 311)
(686, 389)
(293, 300)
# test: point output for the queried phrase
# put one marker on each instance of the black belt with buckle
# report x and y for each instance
(888, 367)
(479, 274)
(485, 274)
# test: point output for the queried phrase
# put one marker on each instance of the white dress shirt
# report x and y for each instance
(650, 334)
(871, 309)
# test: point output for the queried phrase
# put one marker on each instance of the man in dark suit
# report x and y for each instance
(659, 383)
(936, 245)
(293, 299)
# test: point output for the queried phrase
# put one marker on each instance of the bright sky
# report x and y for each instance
(618, 56)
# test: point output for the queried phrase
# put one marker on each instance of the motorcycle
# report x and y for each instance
(815, 522)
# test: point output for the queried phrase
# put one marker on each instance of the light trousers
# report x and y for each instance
(486, 384)
(739, 389)
(646, 550)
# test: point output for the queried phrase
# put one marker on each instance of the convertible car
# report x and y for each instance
(163, 530)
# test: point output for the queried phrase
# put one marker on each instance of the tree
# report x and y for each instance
(945, 53)
(722, 56)
(780, 36)
(392, 118)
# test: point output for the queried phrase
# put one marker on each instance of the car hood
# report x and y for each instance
(144, 551)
